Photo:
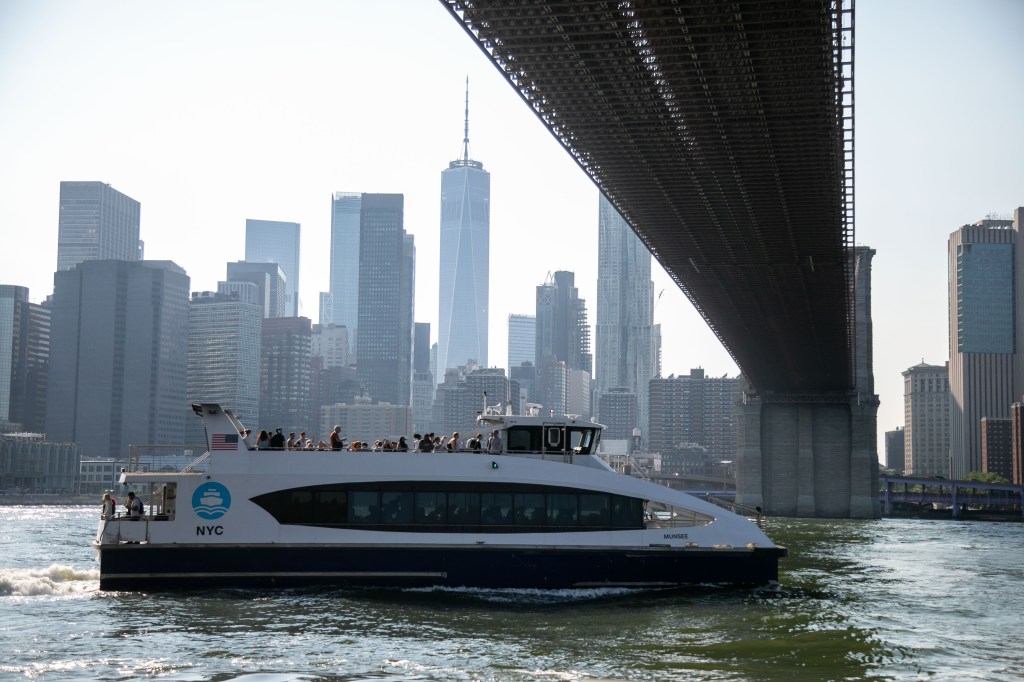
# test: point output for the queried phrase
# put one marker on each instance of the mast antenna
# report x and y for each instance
(465, 135)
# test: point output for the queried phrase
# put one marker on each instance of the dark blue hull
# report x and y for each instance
(164, 567)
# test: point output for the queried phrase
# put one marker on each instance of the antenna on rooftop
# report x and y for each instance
(465, 134)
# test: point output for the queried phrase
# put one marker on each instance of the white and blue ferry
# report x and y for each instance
(546, 512)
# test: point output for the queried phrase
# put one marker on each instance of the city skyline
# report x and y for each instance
(202, 156)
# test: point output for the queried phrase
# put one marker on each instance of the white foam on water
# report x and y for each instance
(535, 596)
(57, 579)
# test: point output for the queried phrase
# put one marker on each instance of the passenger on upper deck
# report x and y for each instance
(277, 440)
(337, 442)
(134, 506)
(109, 507)
(263, 440)
(494, 443)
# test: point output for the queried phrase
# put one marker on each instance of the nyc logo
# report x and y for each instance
(211, 500)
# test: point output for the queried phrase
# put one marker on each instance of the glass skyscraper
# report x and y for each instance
(464, 265)
(985, 309)
(386, 277)
(626, 337)
(344, 293)
(118, 356)
(522, 340)
(270, 241)
(96, 223)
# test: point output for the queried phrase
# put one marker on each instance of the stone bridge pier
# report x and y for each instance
(809, 456)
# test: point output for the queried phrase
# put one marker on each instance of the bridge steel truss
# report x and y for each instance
(722, 131)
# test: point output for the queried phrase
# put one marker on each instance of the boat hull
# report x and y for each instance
(170, 567)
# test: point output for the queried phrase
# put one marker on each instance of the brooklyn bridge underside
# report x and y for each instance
(723, 133)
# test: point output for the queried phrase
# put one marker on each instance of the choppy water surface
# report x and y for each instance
(887, 600)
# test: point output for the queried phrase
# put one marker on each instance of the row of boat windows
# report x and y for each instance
(404, 507)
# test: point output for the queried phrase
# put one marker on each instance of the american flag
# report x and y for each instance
(224, 441)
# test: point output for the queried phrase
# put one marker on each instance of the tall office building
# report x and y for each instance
(894, 450)
(271, 241)
(562, 345)
(224, 355)
(343, 297)
(386, 279)
(464, 265)
(118, 356)
(286, 400)
(926, 417)
(422, 379)
(522, 340)
(626, 337)
(270, 281)
(986, 307)
(96, 223)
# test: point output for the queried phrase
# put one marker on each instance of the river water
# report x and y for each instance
(893, 599)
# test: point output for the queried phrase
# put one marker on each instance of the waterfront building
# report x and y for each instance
(343, 298)
(627, 340)
(224, 341)
(986, 326)
(30, 464)
(464, 263)
(118, 356)
(894, 450)
(271, 285)
(24, 359)
(272, 241)
(694, 409)
(96, 223)
(285, 376)
(997, 447)
(926, 417)
(386, 281)
(367, 422)
(1017, 443)
(562, 343)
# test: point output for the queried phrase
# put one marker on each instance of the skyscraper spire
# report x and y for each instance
(465, 136)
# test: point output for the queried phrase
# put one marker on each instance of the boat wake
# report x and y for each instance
(533, 596)
(57, 580)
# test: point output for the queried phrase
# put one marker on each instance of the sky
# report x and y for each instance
(209, 113)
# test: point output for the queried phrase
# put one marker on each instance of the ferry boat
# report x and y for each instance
(544, 512)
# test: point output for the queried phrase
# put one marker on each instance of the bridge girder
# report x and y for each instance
(723, 133)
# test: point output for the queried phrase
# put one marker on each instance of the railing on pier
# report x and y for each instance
(957, 495)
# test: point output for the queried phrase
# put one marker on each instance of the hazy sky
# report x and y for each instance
(211, 112)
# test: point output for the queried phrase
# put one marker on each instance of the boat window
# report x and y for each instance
(529, 509)
(553, 438)
(562, 509)
(626, 511)
(495, 509)
(523, 438)
(363, 506)
(595, 510)
(396, 507)
(580, 440)
(431, 507)
(464, 508)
